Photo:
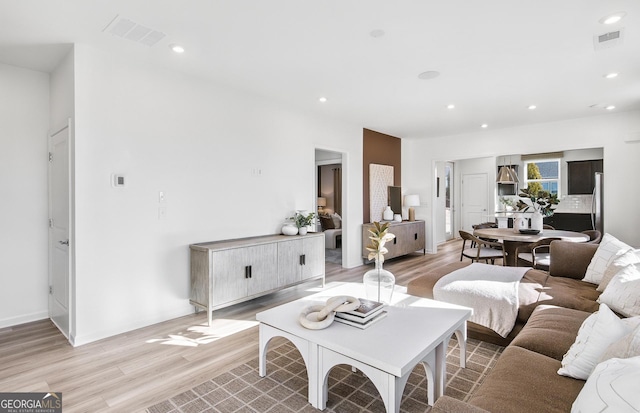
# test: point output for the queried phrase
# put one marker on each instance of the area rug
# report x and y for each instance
(284, 389)
(333, 255)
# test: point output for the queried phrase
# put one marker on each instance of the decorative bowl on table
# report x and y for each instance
(530, 231)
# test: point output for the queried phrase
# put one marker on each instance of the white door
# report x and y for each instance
(447, 193)
(59, 220)
(474, 200)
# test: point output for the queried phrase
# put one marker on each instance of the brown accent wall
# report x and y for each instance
(380, 149)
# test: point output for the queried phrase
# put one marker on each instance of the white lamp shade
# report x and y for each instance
(411, 200)
(322, 201)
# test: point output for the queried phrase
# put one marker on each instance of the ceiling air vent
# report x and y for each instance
(133, 31)
(607, 40)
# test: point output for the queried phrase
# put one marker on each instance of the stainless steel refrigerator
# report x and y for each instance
(597, 219)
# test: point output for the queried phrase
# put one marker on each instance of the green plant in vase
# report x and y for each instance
(302, 221)
(542, 203)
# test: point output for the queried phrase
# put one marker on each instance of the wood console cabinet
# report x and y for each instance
(232, 271)
(409, 238)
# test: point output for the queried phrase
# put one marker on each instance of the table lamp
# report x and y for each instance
(412, 201)
(322, 202)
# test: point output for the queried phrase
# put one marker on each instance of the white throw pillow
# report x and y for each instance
(596, 333)
(611, 388)
(618, 263)
(609, 248)
(337, 220)
(627, 346)
(623, 292)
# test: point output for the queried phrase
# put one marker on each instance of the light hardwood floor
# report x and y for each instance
(132, 371)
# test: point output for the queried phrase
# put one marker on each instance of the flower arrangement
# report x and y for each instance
(379, 236)
(541, 201)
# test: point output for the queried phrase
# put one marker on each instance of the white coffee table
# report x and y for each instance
(416, 330)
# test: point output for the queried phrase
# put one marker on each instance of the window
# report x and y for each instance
(544, 174)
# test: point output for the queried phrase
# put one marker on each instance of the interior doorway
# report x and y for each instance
(449, 222)
(475, 200)
(60, 228)
(330, 203)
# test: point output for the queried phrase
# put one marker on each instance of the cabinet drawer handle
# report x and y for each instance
(303, 259)
(247, 271)
(415, 236)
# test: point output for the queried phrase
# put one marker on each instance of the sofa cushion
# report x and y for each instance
(570, 259)
(551, 330)
(618, 263)
(596, 334)
(609, 248)
(622, 294)
(612, 387)
(525, 381)
(627, 346)
(570, 293)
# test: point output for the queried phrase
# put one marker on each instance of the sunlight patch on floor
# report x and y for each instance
(204, 334)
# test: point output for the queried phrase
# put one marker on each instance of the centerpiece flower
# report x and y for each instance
(541, 202)
(378, 282)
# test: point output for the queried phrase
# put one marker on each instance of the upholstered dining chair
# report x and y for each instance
(480, 249)
(547, 226)
(535, 255)
(594, 236)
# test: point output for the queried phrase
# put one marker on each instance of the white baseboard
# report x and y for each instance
(22, 319)
(79, 340)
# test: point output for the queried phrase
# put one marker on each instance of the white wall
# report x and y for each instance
(24, 118)
(199, 143)
(608, 131)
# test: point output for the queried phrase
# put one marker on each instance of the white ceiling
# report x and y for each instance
(496, 57)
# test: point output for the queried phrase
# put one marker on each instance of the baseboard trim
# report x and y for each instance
(23, 319)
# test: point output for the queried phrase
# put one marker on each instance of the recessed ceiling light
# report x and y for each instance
(484, 125)
(611, 75)
(376, 33)
(429, 74)
(613, 18)
(610, 107)
(532, 107)
(176, 48)
(451, 106)
(322, 99)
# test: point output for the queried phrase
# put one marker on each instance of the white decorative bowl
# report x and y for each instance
(289, 230)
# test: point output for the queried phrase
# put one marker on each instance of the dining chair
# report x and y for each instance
(480, 249)
(547, 226)
(535, 255)
(594, 236)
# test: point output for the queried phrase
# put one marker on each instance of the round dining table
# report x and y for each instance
(512, 239)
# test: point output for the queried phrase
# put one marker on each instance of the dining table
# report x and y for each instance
(512, 239)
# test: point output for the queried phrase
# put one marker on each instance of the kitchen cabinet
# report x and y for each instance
(569, 222)
(228, 272)
(410, 237)
(581, 176)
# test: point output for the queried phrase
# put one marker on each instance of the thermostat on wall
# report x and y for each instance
(117, 180)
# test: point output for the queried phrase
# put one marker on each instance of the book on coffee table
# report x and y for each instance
(362, 324)
(367, 310)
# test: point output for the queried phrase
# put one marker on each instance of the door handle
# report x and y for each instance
(64, 243)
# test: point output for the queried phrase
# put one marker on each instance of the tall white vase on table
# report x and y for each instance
(536, 221)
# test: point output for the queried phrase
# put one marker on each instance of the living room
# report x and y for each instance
(216, 148)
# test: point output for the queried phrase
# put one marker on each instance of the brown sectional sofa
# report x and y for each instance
(525, 377)
(561, 286)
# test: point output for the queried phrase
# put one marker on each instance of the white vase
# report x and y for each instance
(536, 221)
(289, 229)
(302, 230)
(519, 222)
(387, 214)
(378, 284)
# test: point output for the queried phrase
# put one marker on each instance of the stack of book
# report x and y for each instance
(367, 314)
